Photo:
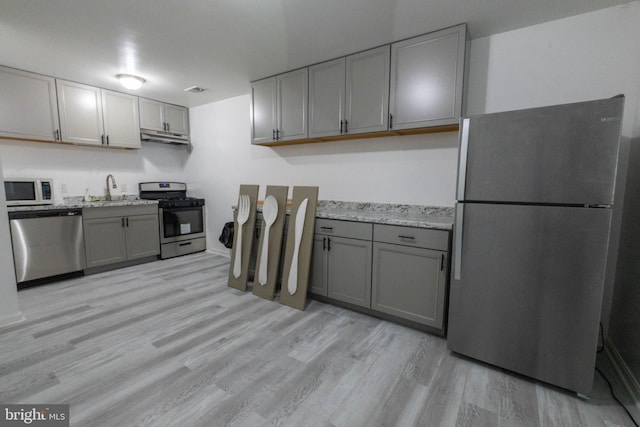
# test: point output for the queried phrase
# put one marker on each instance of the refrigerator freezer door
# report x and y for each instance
(530, 290)
(565, 154)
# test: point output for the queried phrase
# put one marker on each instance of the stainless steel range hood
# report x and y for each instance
(163, 137)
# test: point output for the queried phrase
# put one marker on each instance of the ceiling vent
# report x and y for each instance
(195, 89)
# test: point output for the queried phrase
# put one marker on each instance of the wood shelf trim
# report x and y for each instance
(384, 134)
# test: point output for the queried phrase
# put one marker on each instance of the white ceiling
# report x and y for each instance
(224, 44)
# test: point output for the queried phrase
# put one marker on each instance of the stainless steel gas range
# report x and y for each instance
(181, 218)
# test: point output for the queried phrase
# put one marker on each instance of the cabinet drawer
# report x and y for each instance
(116, 211)
(410, 236)
(352, 230)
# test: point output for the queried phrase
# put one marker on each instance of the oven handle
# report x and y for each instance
(184, 244)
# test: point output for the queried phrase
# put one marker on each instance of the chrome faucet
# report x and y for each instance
(113, 180)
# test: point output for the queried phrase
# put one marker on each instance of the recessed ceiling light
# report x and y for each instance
(130, 81)
(195, 89)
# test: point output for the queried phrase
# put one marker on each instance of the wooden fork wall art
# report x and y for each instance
(243, 236)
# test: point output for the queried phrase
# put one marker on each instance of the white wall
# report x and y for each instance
(411, 169)
(81, 167)
(589, 56)
(9, 310)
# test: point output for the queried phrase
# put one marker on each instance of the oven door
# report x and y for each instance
(178, 224)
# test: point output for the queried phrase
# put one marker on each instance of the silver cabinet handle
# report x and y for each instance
(390, 121)
(406, 237)
(341, 123)
(457, 266)
(326, 228)
(56, 135)
(107, 139)
(168, 127)
(346, 126)
(462, 164)
(102, 139)
(274, 135)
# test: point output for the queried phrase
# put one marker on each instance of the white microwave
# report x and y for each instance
(28, 191)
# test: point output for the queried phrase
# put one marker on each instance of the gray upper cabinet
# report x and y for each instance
(427, 77)
(367, 91)
(121, 123)
(263, 111)
(279, 107)
(152, 114)
(159, 116)
(291, 105)
(327, 98)
(177, 118)
(93, 116)
(28, 104)
(350, 95)
(80, 108)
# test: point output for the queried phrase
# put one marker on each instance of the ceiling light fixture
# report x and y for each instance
(130, 81)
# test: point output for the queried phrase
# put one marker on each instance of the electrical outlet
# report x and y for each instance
(63, 188)
(123, 188)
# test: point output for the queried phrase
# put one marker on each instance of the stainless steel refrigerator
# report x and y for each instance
(533, 219)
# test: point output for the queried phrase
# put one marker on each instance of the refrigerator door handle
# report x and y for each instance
(462, 164)
(457, 265)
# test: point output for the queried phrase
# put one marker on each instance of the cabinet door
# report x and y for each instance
(410, 283)
(368, 91)
(29, 106)
(80, 108)
(151, 114)
(143, 236)
(326, 98)
(292, 96)
(104, 240)
(318, 274)
(177, 118)
(121, 123)
(349, 270)
(263, 111)
(427, 79)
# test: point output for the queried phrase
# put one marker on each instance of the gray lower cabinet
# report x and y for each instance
(341, 264)
(410, 270)
(117, 234)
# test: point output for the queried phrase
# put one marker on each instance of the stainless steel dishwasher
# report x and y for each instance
(47, 242)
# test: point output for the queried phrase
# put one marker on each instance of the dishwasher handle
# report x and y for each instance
(44, 213)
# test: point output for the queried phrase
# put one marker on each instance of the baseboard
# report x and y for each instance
(625, 385)
(11, 319)
(221, 252)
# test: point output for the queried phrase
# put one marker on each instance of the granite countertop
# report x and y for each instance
(435, 217)
(78, 202)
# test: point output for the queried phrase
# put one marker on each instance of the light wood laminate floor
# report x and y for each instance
(169, 344)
